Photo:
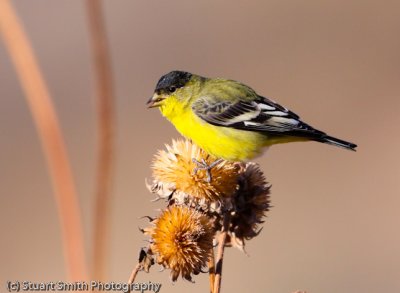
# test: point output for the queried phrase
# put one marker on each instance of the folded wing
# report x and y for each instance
(260, 114)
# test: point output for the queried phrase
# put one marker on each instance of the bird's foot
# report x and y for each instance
(204, 166)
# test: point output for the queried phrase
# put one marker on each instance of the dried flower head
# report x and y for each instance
(175, 167)
(250, 204)
(181, 239)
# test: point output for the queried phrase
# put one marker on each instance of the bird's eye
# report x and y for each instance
(171, 89)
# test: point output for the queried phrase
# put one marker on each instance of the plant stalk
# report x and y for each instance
(220, 252)
(47, 125)
(105, 128)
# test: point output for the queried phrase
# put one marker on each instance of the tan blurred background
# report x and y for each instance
(335, 222)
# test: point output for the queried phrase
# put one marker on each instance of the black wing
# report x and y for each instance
(260, 114)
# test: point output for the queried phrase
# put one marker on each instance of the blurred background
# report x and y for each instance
(334, 225)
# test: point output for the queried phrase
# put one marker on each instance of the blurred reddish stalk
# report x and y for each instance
(45, 118)
(105, 106)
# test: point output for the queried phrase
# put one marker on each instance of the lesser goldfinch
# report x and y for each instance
(228, 119)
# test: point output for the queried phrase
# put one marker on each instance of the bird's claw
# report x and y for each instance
(204, 166)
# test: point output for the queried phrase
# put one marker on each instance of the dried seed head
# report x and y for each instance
(175, 167)
(251, 202)
(181, 239)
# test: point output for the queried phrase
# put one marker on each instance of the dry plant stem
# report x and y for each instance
(211, 270)
(220, 253)
(47, 125)
(105, 127)
(134, 273)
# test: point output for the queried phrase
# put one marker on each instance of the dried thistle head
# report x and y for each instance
(250, 205)
(175, 167)
(181, 239)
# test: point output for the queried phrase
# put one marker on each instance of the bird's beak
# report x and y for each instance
(154, 101)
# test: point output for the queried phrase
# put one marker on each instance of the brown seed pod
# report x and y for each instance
(175, 167)
(250, 204)
(181, 240)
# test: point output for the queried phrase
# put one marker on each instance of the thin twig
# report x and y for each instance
(211, 270)
(220, 252)
(134, 273)
(105, 128)
(45, 118)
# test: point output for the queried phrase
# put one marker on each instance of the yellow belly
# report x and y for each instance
(221, 142)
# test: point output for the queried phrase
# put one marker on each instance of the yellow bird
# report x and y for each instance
(228, 119)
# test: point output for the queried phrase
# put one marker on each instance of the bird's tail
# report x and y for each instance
(337, 142)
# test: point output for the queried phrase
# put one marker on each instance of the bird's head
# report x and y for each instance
(171, 85)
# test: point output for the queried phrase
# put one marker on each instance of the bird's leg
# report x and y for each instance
(204, 166)
(199, 165)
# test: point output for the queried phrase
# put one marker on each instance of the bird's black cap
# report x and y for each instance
(174, 79)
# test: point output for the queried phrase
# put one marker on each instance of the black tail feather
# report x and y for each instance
(337, 142)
